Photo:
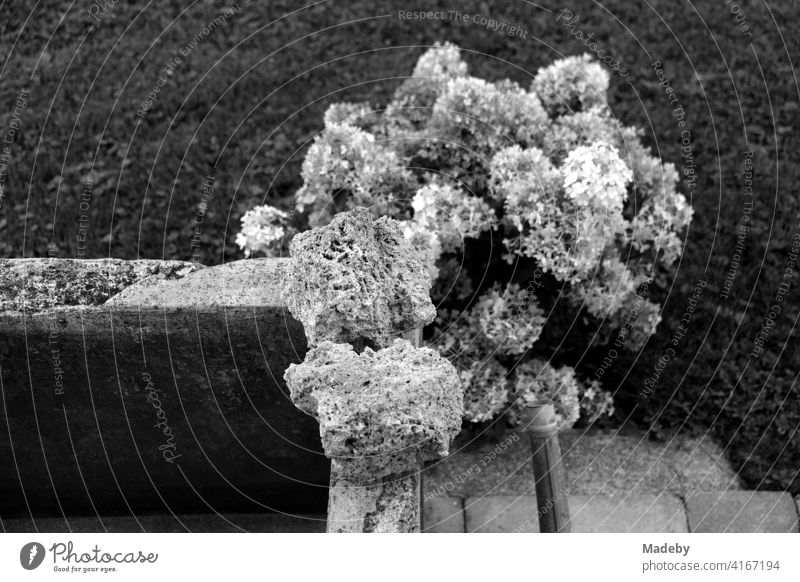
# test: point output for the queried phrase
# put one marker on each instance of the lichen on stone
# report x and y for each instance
(357, 280)
(38, 284)
(380, 412)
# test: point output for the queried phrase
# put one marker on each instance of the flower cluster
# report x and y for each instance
(595, 177)
(609, 288)
(427, 243)
(264, 230)
(358, 115)
(664, 207)
(413, 101)
(565, 216)
(528, 184)
(483, 376)
(582, 211)
(347, 163)
(571, 84)
(586, 127)
(538, 381)
(471, 119)
(485, 390)
(444, 217)
(510, 320)
(451, 214)
(595, 402)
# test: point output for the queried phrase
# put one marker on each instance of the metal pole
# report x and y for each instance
(548, 470)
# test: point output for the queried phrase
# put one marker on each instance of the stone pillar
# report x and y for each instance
(357, 281)
(384, 405)
(358, 502)
(362, 504)
(382, 414)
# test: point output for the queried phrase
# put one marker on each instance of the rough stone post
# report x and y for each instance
(384, 406)
(357, 281)
(381, 414)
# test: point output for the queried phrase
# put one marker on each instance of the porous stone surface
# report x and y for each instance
(357, 280)
(391, 505)
(36, 285)
(380, 412)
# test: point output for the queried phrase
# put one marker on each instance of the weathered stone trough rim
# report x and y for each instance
(75, 313)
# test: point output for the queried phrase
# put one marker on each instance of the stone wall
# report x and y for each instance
(151, 386)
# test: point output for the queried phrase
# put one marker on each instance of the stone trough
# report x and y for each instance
(151, 387)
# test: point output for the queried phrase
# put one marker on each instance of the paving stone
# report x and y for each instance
(636, 514)
(501, 514)
(643, 513)
(249, 522)
(443, 515)
(742, 512)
